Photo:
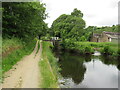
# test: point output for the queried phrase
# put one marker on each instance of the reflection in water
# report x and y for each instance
(88, 71)
(110, 61)
(72, 67)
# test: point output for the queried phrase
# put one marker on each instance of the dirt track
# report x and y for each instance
(26, 73)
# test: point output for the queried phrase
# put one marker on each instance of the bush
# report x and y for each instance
(89, 47)
(118, 52)
(110, 50)
(106, 50)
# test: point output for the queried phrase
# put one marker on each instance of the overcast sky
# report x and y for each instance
(96, 12)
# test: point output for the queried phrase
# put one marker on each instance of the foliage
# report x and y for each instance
(10, 43)
(94, 29)
(23, 20)
(113, 28)
(80, 47)
(46, 37)
(8, 62)
(111, 49)
(49, 68)
(106, 49)
(77, 13)
(88, 32)
(89, 47)
(119, 52)
(69, 26)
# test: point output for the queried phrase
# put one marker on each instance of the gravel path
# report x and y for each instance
(26, 73)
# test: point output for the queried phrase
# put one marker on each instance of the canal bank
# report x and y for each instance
(48, 66)
(87, 71)
(106, 48)
(78, 70)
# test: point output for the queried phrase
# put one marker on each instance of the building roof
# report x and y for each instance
(112, 34)
(96, 35)
(109, 34)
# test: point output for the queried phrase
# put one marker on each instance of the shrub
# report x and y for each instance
(89, 49)
(118, 52)
(106, 50)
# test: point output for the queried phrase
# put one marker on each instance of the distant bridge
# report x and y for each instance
(54, 42)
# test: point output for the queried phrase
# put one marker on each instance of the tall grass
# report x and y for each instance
(9, 43)
(17, 54)
(111, 49)
(0, 58)
(48, 67)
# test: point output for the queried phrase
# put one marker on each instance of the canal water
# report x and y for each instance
(87, 71)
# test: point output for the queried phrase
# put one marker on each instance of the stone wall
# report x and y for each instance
(94, 39)
(102, 38)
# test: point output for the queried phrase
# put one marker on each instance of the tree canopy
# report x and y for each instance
(113, 28)
(23, 20)
(69, 26)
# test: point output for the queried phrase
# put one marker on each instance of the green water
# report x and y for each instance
(88, 71)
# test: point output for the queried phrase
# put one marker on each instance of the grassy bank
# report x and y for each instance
(13, 51)
(111, 50)
(89, 47)
(48, 67)
(0, 59)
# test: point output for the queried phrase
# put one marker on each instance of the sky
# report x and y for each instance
(96, 12)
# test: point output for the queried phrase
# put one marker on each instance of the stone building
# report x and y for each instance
(105, 37)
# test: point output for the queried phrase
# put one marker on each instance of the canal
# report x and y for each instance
(87, 71)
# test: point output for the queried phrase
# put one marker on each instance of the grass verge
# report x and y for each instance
(48, 67)
(15, 55)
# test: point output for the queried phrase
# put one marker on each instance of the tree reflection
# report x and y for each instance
(109, 60)
(72, 67)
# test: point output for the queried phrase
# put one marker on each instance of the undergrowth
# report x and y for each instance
(108, 48)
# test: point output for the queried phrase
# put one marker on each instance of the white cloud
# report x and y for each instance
(96, 12)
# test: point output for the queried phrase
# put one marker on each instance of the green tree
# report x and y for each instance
(77, 13)
(69, 26)
(23, 20)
